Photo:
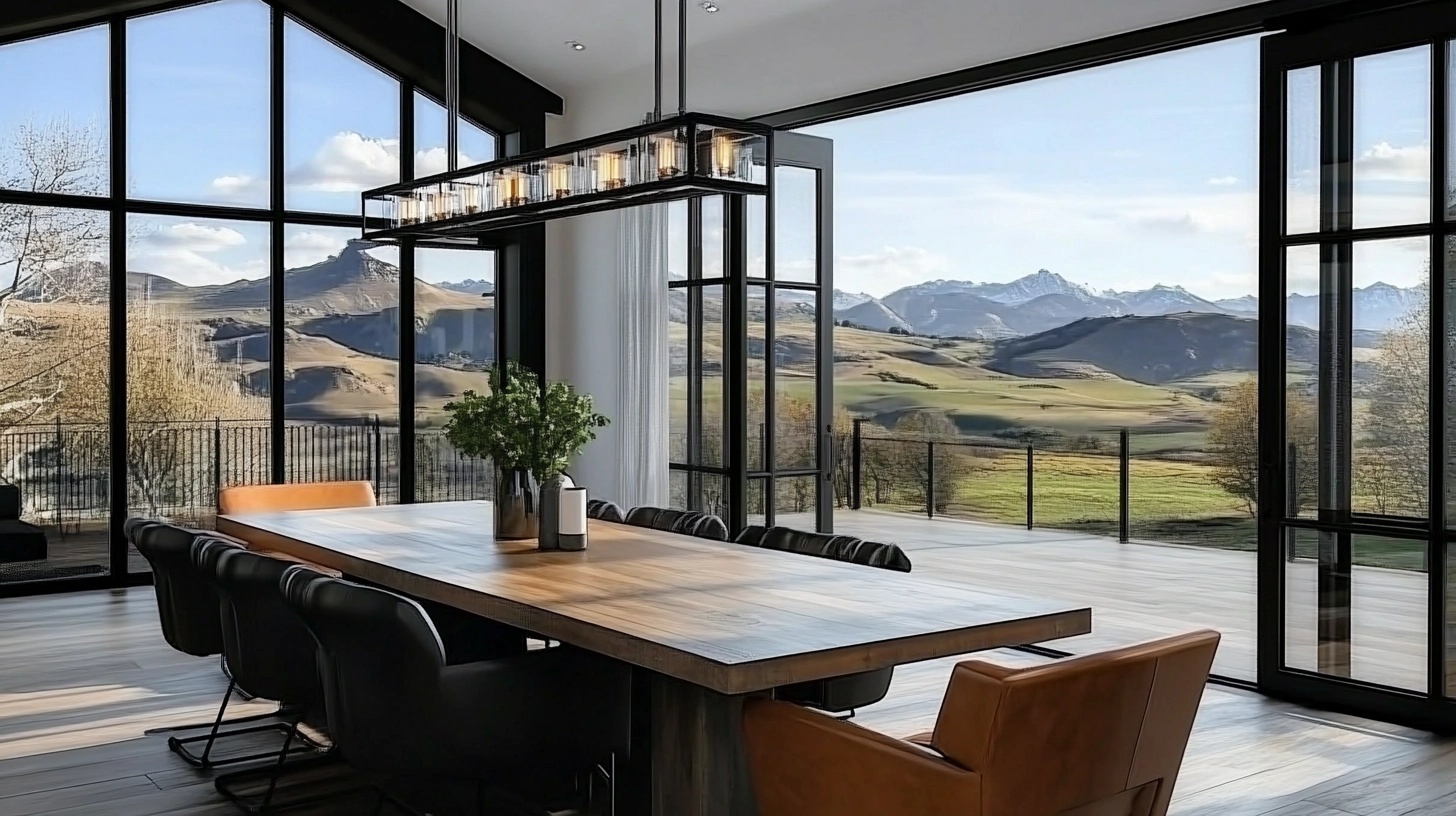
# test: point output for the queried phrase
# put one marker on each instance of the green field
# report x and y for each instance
(882, 377)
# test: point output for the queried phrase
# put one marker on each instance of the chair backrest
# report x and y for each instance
(306, 496)
(271, 653)
(752, 535)
(878, 554)
(828, 545)
(380, 658)
(707, 525)
(188, 606)
(604, 510)
(9, 503)
(1099, 735)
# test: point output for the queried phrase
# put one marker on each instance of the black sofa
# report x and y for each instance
(18, 541)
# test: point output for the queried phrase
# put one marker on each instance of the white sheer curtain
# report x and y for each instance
(641, 418)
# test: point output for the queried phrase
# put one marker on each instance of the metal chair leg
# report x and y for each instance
(178, 745)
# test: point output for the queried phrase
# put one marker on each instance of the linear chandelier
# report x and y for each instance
(665, 159)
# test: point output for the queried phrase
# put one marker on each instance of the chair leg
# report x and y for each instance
(178, 745)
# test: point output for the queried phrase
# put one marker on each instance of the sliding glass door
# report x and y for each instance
(1356, 237)
(751, 323)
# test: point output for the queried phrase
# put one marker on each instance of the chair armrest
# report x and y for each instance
(809, 764)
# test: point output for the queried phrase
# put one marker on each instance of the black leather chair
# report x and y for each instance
(190, 611)
(752, 535)
(19, 541)
(271, 653)
(397, 706)
(847, 693)
(603, 510)
(685, 522)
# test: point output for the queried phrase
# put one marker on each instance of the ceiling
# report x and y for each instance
(758, 56)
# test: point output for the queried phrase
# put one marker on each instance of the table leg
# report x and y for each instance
(688, 757)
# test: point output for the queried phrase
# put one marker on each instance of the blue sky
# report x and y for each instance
(197, 110)
(1118, 177)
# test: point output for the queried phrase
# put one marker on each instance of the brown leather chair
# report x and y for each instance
(307, 496)
(1100, 735)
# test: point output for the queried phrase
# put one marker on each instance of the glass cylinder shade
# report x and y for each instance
(727, 154)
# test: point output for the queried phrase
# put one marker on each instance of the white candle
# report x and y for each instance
(572, 519)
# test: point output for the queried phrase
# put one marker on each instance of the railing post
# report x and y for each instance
(855, 466)
(1291, 501)
(378, 458)
(930, 479)
(1124, 456)
(216, 460)
(60, 468)
(1030, 486)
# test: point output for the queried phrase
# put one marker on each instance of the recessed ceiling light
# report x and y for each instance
(575, 45)
(709, 6)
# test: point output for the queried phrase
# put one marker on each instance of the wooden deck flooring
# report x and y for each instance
(83, 676)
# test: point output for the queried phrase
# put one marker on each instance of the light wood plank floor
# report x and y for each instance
(83, 676)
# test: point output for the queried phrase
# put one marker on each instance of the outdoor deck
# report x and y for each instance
(1137, 590)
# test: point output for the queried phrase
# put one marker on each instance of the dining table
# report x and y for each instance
(704, 623)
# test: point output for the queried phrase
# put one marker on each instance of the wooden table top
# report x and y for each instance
(729, 617)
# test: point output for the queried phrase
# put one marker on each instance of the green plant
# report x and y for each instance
(519, 426)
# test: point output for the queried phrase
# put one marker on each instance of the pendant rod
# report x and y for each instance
(452, 85)
(682, 57)
(657, 66)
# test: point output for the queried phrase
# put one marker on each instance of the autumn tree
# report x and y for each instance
(953, 464)
(1233, 445)
(1392, 456)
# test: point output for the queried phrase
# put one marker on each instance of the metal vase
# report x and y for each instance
(549, 536)
(517, 513)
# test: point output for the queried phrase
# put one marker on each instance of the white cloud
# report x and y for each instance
(1386, 162)
(1224, 181)
(349, 163)
(194, 268)
(239, 188)
(891, 268)
(433, 160)
(197, 238)
(307, 248)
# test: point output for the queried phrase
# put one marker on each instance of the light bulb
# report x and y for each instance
(725, 154)
(559, 174)
(666, 149)
(610, 168)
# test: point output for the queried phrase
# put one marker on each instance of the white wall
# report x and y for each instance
(582, 307)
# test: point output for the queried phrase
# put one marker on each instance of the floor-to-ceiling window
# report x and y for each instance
(1046, 337)
(184, 304)
(55, 385)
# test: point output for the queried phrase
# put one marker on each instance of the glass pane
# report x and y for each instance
(679, 372)
(55, 390)
(756, 224)
(1449, 259)
(1392, 336)
(54, 124)
(677, 240)
(341, 352)
(758, 455)
(712, 438)
(476, 145)
(1301, 381)
(796, 225)
(677, 490)
(1392, 170)
(342, 125)
(796, 373)
(794, 502)
(197, 104)
(197, 364)
(1450, 182)
(1355, 606)
(1302, 185)
(713, 246)
(757, 501)
(454, 342)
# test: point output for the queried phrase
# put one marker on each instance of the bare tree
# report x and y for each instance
(1395, 427)
(1233, 444)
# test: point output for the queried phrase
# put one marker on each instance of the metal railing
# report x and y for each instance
(175, 470)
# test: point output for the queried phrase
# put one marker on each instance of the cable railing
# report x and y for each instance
(175, 470)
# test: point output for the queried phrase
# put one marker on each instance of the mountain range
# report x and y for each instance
(1045, 300)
